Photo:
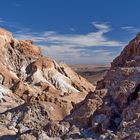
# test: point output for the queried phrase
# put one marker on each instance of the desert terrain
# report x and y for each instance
(41, 99)
(92, 72)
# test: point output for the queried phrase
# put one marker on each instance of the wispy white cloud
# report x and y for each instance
(72, 55)
(72, 29)
(9, 24)
(1, 21)
(104, 27)
(130, 29)
(74, 46)
(91, 39)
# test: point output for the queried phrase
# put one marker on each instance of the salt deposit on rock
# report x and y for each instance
(34, 90)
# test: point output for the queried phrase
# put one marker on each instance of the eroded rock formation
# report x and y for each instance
(34, 90)
(112, 111)
(40, 99)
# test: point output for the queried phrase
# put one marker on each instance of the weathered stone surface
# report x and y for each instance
(112, 110)
(40, 99)
(34, 90)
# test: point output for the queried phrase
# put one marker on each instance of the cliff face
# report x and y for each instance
(40, 99)
(130, 56)
(112, 111)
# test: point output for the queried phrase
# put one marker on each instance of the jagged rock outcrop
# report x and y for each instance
(112, 111)
(130, 55)
(41, 99)
(77, 81)
(34, 90)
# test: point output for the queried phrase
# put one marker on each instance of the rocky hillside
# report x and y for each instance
(43, 100)
(112, 111)
(34, 90)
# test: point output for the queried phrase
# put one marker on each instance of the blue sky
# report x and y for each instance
(77, 31)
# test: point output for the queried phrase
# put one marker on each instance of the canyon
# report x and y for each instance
(43, 100)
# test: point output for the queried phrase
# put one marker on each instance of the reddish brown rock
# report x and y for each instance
(130, 54)
(40, 99)
(34, 90)
(77, 81)
(115, 113)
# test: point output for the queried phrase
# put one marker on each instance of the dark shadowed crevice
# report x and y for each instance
(133, 96)
(115, 122)
(29, 69)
